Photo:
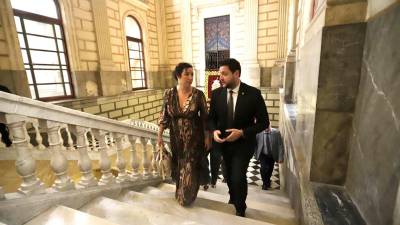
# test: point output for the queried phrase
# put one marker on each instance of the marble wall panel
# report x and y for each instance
(374, 166)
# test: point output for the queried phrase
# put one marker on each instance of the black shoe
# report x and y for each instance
(241, 213)
(213, 185)
(205, 187)
(230, 201)
(224, 180)
(266, 186)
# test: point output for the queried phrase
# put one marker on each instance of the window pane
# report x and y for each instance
(136, 63)
(34, 27)
(132, 28)
(137, 74)
(24, 56)
(62, 59)
(41, 7)
(48, 76)
(60, 45)
(21, 41)
(55, 67)
(41, 43)
(18, 23)
(65, 74)
(44, 57)
(134, 55)
(58, 31)
(68, 88)
(32, 89)
(133, 45)
(29, 75)
(137, 84)
(50, 90)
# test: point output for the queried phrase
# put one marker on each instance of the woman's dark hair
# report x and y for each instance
(179, 69)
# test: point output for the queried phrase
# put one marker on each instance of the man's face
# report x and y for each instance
(227, 78)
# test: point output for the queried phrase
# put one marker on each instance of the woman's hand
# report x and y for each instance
(160, 142)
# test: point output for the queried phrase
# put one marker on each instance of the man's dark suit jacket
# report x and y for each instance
(250, 115)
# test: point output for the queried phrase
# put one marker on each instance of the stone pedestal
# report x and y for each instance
(251, 74)
(277, 73)
(288, 77)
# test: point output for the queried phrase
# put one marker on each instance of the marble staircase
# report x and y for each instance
(156, 206)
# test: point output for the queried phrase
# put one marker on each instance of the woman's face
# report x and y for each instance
(186, 77)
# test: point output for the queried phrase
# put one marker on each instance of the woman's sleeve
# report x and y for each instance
(165, 119)
(203, 110)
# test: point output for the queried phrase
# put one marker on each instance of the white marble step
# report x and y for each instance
(170, 205)
(280, 209)
(123, 213)
(255, 193)
(255, 210)
(61, 215)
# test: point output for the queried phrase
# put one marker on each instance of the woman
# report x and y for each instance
(184, 112)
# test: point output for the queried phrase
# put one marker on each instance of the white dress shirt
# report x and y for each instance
(234, 96)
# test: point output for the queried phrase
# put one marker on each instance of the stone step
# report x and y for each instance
(255, 210)
(255, 193)
(63, 215)
(123, 213)
(284, 209)
(169, 205)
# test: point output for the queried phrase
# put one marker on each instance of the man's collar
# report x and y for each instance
(236, 89)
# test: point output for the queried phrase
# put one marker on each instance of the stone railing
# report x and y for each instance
(74, 135)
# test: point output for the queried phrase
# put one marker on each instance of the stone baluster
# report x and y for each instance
(138, 147)
(112, 144)
(70, 142)
(62, 140)
(146, 162)
(94, 143)
(153, 160)
(25, 163)
(2, 145)
(1, 193)
(121, 163)
(58, 161)
(105, 163)
(38, 136)
(84, 162)
(28, 138)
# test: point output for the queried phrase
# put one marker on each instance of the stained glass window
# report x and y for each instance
(217, 41)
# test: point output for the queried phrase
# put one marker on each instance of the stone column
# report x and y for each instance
(103, 47)
(164, 77)
(186, 31)
(250, 66)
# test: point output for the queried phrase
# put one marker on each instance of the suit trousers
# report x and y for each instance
(267, 167)
(236, 162)
(216, 162)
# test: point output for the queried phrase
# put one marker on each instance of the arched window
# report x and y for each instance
(42, 42)
(135, 53)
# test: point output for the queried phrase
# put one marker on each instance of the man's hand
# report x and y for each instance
(217, 138)
(235, 134)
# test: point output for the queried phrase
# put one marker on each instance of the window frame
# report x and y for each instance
(140, 42)
(51, 21)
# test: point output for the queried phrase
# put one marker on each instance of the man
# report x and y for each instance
(269, 150)
(237, 114)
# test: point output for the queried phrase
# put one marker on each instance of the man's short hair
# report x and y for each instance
(232, 64)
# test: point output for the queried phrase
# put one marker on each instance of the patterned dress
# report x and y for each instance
(187, 129)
